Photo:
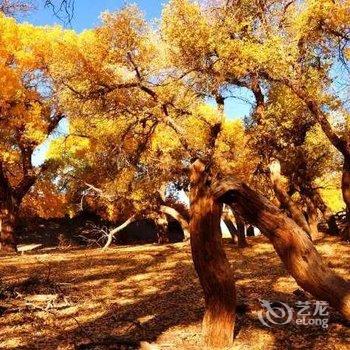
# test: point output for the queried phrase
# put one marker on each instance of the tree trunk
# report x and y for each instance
(177, 216)
(210, 261)
(345, 186)
(235, 231)
(327, 214)
(312, 218)
(228, 218)
(294, 248)
(231, 228)
(321, 205)
(242, 243)
(162, 228)
(284, 198)
(8, 221)
(333, 226)
(342, 144)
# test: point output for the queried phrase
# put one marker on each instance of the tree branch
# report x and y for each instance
(339, 143)
(116, 230)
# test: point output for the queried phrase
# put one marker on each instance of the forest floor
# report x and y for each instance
(150, 293)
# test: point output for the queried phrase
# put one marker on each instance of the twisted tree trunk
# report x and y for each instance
(10, 196)
(290, 242)
(327, 215)
(210, 261)
(341, 143)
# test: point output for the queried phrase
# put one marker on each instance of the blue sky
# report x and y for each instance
(87, 12)
(86, 16)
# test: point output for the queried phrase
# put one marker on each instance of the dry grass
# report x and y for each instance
(130, 294)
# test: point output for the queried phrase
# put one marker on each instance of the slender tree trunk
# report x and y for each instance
(231, 228)
(294, 248)
(345, 186)
(228, 218)
(312, 218)
(210, 261)
(242, 243)
(284, 198)
(327, 214)
(162, 228)
(235, 231)
(321, 205)
(8, 221)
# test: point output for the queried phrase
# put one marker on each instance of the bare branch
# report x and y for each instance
(62, 9)
(15, 7)
(116, 230)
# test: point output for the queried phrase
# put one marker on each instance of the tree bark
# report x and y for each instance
(327, 215)
(177, 216)
(231, 228)
(162, 228)
(8, 221)
(228, 218)
(210, 261)
(242, 243)
(283, 197)
(345, 186)
(321, 205)
(291, 244)
(235, 231)
(312, 218)
(11, 197)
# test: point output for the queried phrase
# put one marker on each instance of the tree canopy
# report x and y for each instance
(145, 108)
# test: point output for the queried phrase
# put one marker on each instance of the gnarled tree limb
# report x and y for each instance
(294, 248)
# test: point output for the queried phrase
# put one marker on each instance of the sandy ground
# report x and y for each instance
(150, 293)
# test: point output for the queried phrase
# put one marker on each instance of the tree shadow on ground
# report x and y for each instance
(140, 294)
